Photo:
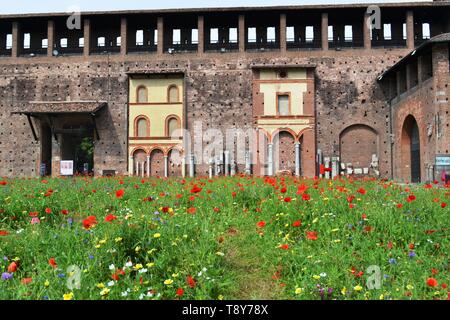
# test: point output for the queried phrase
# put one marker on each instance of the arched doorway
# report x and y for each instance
(410, 146)
(140, 162)
(175, 163)
(284, 152)
(157, 163)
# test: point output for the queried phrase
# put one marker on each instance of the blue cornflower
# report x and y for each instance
(412, 254)
(392, 261)
(7, 276)
(91, 257)
(61, 275)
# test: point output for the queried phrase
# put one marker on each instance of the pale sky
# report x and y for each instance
(46, 6)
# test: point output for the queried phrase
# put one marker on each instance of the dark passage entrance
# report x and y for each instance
(77, 144)
(415, 153)
(46, 150)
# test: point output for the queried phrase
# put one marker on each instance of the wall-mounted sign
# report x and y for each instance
(443, 160)
(67, 168)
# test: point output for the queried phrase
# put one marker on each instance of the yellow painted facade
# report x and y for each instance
(157, 108)
(293, 84)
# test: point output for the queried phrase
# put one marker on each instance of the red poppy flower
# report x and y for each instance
(3, 233)
(432, 282)
(351, 205)
(110, 218)
(33, 214)
(89, 222)
(44, 181)
(192, 210)
(117, 274)
(443, 205)
(411, 198)
(261, 224)
(65, 212)
(364, 216)
(191, 282)
(52, 262)
(411, 246)
(350, 198)
(217, 210)
(390, 245)
(306, 197)
(48, 210)
(428, 186)
(297, 224)
(302, 189)
(362, 191)
(311, 235)
(121, 182)
(284, 247)
(367, 228)
(165, 209)
(3, 183)
(234, 194)
(434, 271)
(26, 280)
(283, 190)
(12, 267)
(399, 205)
(179, 196)
(287, 199)
(120, 193)
(180, 292)
(444, 286)
(196, 189)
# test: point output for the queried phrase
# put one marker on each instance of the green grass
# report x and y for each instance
(220, 245)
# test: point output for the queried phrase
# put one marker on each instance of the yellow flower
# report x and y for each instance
(102, 241)
(381, 296)
(168, 282)
(170, 210)
(315, 220)
(316, 277)
(68, 296)
(104, 292)
(157, 235)
(100, 285)
(138, 266)
(221, 254)
(299, 291)
(137, 249)
(97, 246)
(150, 265)
(335, 230)
(175, 275)
(220, 297)
(344, 291)
(409, 287)
(46, 283)
(118, 239)
(358, 288)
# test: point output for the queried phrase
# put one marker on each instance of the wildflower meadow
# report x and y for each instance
(224, 238)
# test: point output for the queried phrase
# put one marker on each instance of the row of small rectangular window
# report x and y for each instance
(232, 36)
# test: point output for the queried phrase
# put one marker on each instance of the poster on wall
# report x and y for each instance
(443, 161)
(67, 168)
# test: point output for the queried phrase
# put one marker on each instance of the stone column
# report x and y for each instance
(15, 50)
(130, 165)
(142, 169)
(56, 156)
(319, 160)
(297, 159)
(335, 166)
(270, 159)
(327, 166)
(232, 168)
(191, 165)
(366, 32)
(166, 166)
(201, 34)
(283, 45)
(148, 166)
(227, 163)
(324, 31)
(211, 170)
(241, 33)
(248, 164)
(50, 37)
(123, 36)
(410, 29)
(87, 37)
(160, 45)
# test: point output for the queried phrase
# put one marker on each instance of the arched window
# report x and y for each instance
(142, 94)
(172, 125)
(173, 94)
(142, 127)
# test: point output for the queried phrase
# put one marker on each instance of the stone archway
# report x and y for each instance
(175, 164)
(284, 152)
(358, 144)
(140, 162)
(410, 151)
(157, 163)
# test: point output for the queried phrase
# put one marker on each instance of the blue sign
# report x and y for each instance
(443, 161)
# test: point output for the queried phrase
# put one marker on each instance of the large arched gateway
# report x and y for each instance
(410, 150)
